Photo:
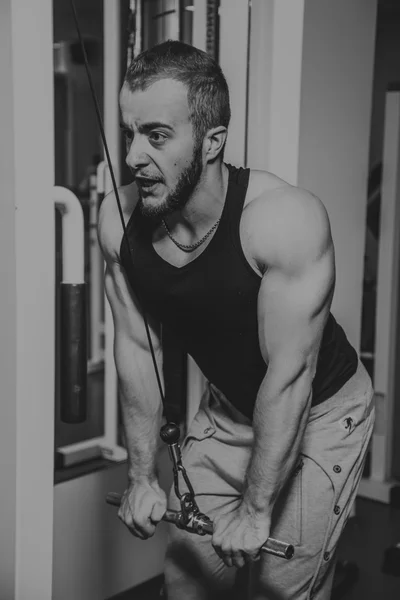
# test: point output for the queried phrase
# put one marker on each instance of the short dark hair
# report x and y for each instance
(208, 94)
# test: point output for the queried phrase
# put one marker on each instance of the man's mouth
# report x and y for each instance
(146, 183)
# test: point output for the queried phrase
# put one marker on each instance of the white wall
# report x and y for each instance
(233, 55)
(27, 300)
(338, 57)
(34, 152)
(8, 350)
(261, 55)
(310, 102)
(275, 81)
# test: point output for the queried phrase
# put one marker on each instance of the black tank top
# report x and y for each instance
(211, 305)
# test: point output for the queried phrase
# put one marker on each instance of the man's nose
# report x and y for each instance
(136, 156)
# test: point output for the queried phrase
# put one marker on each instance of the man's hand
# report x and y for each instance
(142, 506)
(239, 535)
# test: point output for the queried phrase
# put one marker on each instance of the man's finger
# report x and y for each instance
(228, 560)
(145, 526)
(238, 559)
(140, 527)
(137, 533)
(157, 513)
(127, 520)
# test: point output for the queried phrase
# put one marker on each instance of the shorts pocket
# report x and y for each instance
(200, 428)
(317, 503)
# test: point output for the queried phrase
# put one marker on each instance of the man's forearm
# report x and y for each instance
(142, 438)
(142, 415)
(279, 422)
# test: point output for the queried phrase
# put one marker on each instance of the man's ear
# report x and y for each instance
(214, 142)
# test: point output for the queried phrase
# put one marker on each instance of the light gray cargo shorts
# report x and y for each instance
(310, 513)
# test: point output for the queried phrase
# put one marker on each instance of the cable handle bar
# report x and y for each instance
(201, 525)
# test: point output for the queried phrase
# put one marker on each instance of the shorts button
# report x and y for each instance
(336, 510)
(337, 469)
(327, 556)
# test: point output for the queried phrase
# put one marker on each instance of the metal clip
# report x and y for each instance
(176, 458)
(188, 508)
(192, 519)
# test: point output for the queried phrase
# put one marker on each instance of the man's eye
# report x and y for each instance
(157, 137)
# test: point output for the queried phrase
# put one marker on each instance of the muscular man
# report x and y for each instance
(240, 266)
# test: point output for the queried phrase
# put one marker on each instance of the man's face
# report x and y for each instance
(161, 151)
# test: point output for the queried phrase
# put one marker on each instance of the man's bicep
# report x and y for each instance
(292, 311)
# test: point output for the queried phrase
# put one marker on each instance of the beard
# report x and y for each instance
(182, 192)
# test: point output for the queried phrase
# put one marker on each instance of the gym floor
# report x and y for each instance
(375, 528)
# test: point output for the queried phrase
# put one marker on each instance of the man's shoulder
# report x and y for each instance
(110, 230)
(285, 219)
(262, 183)
(272, 200)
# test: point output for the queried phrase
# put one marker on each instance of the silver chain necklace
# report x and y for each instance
(189, 247)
